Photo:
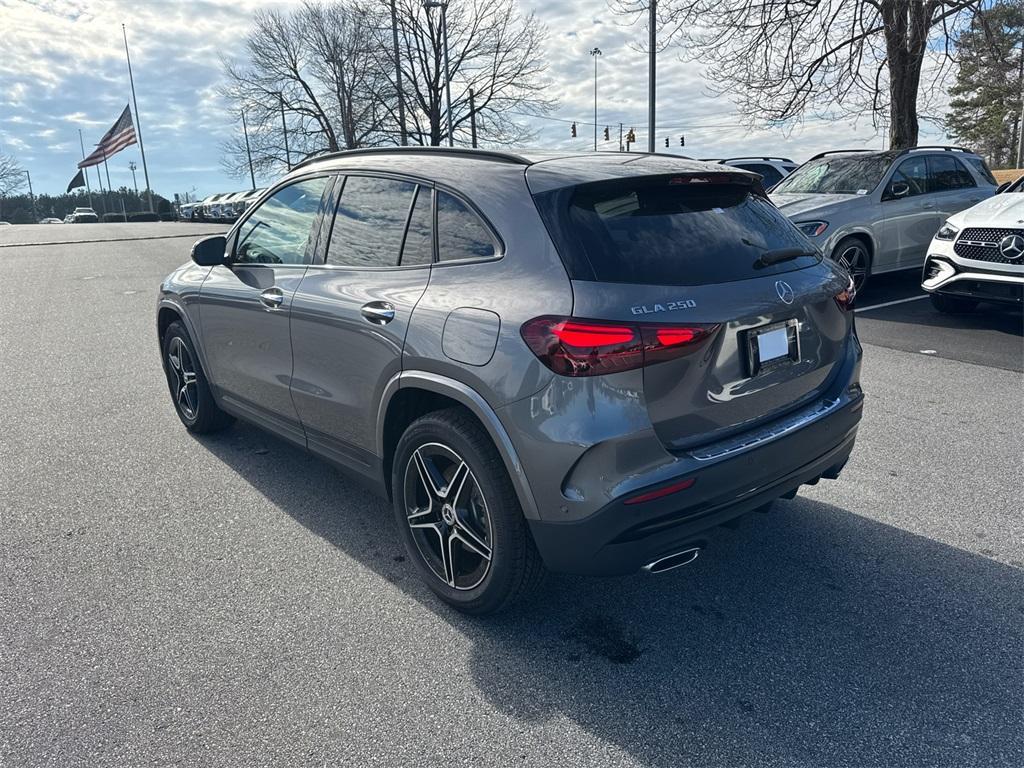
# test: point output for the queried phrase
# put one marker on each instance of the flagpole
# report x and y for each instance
(88, 189)
(138, 125)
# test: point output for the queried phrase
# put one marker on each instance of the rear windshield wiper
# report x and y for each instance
(768, 258)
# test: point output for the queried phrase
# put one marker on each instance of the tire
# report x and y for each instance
(186, 380)
(853, 255)
(476, 514)
(953, 305)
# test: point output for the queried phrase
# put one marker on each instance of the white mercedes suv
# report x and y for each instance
(978, 255)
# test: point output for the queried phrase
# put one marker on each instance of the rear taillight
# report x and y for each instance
(845, 298)
(575, 347)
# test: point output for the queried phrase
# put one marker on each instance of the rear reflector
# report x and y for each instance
(575, 347)
(668, 490)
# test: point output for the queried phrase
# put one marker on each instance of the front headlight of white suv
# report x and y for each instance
(947, 232)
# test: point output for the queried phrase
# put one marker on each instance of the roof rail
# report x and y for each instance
(780, 159)
(943, 147)
(481, 154)
(841, 152)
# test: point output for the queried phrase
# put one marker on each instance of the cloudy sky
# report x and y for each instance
(62, 69)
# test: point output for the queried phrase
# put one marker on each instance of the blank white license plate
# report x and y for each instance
(773, 345)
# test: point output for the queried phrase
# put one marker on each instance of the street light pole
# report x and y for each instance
(132, 166)
(248, 152)
(651, 65)
(398, 77)
(595, 52)
(284, 127)
(443, 5)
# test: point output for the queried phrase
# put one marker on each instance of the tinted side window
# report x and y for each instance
(947, 173)
(419, 239)
(369, 222)
(460, 233)
(278, 231)
(914, 173)
(980, 167)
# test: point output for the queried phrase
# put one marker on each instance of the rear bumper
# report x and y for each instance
(620, 538)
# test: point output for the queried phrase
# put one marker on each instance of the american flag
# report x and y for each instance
(121, 135)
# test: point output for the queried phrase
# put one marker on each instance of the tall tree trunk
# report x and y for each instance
(906, 35)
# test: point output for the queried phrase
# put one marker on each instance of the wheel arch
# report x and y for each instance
(411, 394)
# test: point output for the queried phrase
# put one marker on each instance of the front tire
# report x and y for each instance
(458, 515)
(190, 392)
(953, 305)
(852, 254)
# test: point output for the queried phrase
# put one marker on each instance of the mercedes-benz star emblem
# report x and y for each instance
(785, 292)
(1012, 247)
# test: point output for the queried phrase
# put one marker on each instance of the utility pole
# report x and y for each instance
(652, 59)
(595, 52)
(1020, 124)
(472, 117)
(620, 137)
(32, 197)
(138, 125)
(248, 152)
(398, 78)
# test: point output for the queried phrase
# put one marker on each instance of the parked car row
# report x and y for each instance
(224, 207)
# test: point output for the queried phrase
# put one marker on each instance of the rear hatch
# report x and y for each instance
(708, 252)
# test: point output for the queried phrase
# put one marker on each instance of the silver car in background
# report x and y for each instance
(876, 212)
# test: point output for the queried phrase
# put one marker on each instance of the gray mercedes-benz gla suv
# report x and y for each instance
(582, 362)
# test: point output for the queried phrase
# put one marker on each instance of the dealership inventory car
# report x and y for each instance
(772, 170)
(582, 362)
(84, 216)
(978, 255)
(876, 212)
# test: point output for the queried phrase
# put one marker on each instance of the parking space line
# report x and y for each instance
(891, 303)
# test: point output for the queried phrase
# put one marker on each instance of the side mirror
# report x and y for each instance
(899, 189)
(209, 252)
(1003, 187)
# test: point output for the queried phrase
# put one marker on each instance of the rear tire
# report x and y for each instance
(458, 515)
(190, 392)
(953, 305)
(853, 255)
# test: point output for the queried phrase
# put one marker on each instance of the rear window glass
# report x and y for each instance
(665, 232)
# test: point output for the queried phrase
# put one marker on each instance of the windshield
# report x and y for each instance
(837, 175)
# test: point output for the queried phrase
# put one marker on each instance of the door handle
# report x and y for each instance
(378, 312)
(928, 205)
(272, 298)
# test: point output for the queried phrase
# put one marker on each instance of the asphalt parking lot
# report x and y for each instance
(228, 600)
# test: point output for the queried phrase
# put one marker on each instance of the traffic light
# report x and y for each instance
(682, 141)
(631, 136)
(666, 141)
(606, 133)
(574, 130)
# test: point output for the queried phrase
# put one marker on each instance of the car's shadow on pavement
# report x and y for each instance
(808, 636)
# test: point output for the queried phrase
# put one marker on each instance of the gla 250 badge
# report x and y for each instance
(668, 306)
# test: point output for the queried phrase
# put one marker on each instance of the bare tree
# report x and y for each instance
(317, 65)
(783, 59)
(493, 51)
(12, 175)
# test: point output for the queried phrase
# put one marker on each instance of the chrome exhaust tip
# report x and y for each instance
(675, 560)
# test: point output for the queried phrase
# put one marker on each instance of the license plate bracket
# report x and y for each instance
(773, 345)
